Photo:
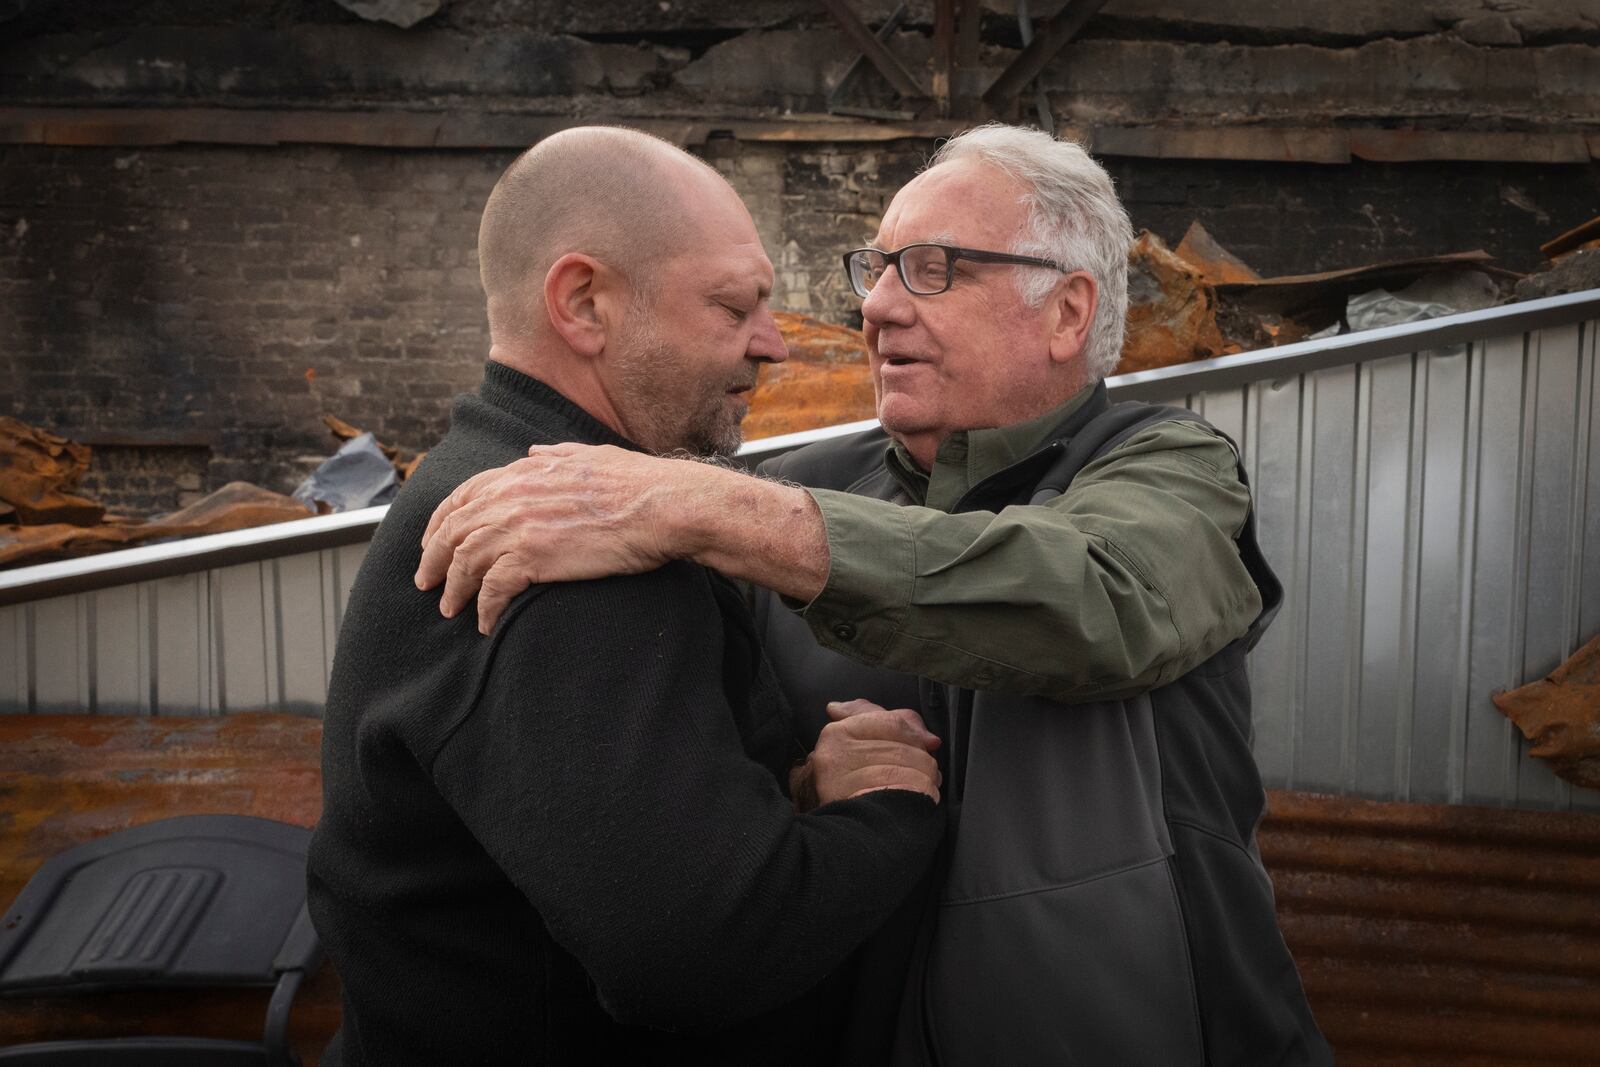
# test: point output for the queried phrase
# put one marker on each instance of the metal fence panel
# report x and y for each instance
(1435, 519)
(1434, 516)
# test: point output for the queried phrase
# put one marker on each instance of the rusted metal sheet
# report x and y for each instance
(1319, 299)
(1425, 934)
(1560, 714)
(1586, 235)
(1441, 933)
(824, 382)
(1172, 310)
(1216, 264)
(236, 506)
(67, 779)
(38, 471)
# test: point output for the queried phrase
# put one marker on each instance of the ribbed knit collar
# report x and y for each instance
(544, 409)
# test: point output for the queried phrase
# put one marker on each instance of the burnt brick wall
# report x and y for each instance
(233, 296)
(228, 296)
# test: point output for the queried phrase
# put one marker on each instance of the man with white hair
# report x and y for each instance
(1063, 588)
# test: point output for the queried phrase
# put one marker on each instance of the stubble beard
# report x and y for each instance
(675, 407)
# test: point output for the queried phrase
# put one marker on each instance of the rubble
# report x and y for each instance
(404, 462)
(1216, 264)
(359, 475)
(1429, 297)
(236, 506)
(38, 470)
(1560, 714)
(1586, 235)
(1573, 273)
(1172, 310)
(1316, 301)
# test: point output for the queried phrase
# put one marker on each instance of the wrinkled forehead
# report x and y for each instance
(964, 202)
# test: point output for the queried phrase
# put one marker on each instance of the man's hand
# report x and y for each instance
(566, 513)
(867, 747)
(571, 512)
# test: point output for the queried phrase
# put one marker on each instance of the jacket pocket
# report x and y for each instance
(1093, 973)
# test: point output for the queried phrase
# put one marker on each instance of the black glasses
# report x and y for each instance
(925, 269)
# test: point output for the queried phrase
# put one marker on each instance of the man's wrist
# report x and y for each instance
(691, 511)
(803, 786)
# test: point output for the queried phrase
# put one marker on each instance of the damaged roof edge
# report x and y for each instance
(38, 582)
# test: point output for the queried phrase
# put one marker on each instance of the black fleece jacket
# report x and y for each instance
(557, 843)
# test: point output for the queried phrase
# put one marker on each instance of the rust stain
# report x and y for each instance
(1441, 934)
(824, 382)
(1172, 310)
(1435, 934)
(1560, 714)
(1217, 266)
(69, 779)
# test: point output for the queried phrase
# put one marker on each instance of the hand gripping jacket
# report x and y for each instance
(1100, 899)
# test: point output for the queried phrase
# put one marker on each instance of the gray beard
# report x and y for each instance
(657, 422)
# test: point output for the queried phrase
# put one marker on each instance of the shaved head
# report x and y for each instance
(621, 196)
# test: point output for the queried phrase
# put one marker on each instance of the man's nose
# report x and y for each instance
(888, 303)
(766, 342)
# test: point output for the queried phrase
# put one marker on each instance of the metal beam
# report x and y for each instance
(885, 32)
(1063, 28)
(966, 85)
(904, 82)
(462, 129)
(944, 52)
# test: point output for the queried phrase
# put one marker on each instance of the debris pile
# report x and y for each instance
(38, 471)
(362, 474)
(1172, 310)
(1195, 301)
(43, 519)
(235, 506)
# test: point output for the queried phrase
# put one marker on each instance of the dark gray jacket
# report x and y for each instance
(1100, 899)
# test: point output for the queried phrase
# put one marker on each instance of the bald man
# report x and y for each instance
(571, 842)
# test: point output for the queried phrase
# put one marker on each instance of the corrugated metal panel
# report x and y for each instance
(1435, 518)
(1424, 934)
(1438, 934)
(249, 637)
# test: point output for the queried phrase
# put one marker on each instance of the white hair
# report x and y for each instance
(1074, 219)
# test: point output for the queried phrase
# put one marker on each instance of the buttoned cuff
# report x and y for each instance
(871, 575)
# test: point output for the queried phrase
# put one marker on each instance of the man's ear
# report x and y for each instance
(1072, 301)
(573, 298)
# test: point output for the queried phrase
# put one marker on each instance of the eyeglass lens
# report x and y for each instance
(924, 269)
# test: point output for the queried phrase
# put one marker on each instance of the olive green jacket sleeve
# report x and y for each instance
(1123, 583)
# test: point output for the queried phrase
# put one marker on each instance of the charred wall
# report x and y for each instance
(204, 297)
(219, 221)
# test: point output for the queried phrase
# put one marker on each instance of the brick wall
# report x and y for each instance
(222, 298)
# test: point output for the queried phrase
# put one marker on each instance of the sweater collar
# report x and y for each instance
(543, 408)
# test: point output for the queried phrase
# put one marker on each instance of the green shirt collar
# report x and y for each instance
(967, 457)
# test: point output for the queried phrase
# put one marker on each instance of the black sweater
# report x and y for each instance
(552, 844)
